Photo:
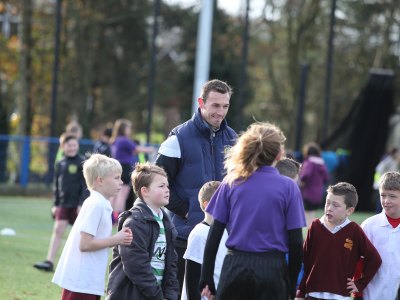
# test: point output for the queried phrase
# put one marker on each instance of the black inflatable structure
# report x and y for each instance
(364, 133)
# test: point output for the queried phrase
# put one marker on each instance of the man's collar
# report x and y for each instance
(207, 124)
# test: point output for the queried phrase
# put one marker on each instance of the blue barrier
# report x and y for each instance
(24, 155)
(25, 159)
(25, 151)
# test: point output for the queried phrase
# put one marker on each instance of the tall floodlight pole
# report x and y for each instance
(152, 74)
(329, 66)
(54, 85)
(203, 49)
(301, 106)
(243, 71)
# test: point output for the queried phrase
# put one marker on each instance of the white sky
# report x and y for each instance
(234, 7)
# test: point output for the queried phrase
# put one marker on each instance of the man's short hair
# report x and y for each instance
(390, 181)
(99, 166)
(215, 85)
(207, 191)
(288, 167)
(143, 175)
(347, 190)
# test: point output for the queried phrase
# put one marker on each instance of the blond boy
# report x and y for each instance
(83, 262)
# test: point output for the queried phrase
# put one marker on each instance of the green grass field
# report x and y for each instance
(30, 218)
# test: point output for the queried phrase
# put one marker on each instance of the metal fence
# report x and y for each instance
(25, 159)
(28, 160)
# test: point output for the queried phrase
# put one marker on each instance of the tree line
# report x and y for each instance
(105, 57)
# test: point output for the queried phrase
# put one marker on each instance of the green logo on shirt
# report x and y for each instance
(72, 169)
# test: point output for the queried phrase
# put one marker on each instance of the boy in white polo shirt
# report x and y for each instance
(83, 262)
(383, 230)
(196, 244)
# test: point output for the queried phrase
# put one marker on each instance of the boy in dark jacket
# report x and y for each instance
(146, 269)
(69, 193)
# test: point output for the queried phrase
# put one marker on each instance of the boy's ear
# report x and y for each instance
(144, 191)
(350, 210)
(205, 204)
(99, 180)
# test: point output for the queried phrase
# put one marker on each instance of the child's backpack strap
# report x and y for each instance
(122, 217)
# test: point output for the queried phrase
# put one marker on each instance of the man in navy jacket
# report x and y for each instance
(192, 155)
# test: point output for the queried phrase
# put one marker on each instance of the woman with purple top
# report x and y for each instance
(313, 177)
(125, 151)
(263, 213)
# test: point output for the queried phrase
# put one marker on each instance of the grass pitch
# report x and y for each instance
(32, 222)
(31, 219)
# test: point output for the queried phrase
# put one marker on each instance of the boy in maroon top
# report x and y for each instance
(333, 246)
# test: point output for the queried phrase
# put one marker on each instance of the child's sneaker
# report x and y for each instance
(44, 266)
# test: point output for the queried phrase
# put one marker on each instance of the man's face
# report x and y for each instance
(215, 108)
